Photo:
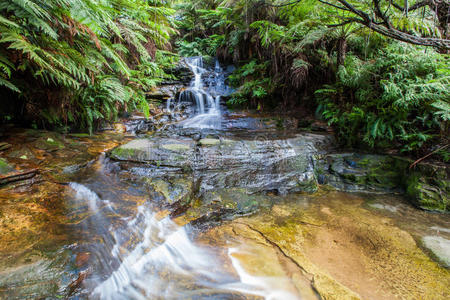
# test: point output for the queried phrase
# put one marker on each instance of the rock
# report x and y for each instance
(5, 146)
(23, 153)
(182, 73)
(158, 152)
(257, 165)
(14, 176)
(355, 172)
(5, 167)
(209, 142)
(81, 259)
(48, 143)
(342, 250)
(440, 247)
(427, 186)
(165, 92)
(119, 128)
(175, 190)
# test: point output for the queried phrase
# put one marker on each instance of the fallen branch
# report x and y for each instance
(18, 176)
(428, 155)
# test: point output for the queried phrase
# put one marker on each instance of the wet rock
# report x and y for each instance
(257, 165)
(165, 92)
(427, 186)
(23, 153)
(175, 190)
(81, 259)
(343, 250)
(5, 146)
(14, 176)
(355, 172)
(237, 199)
(5, 167)
(48, 143)
(209, 142)
(182, 73)
(119, 128)
(158, 152)
(440, 247)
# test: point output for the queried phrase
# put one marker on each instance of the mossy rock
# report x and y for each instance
(427, 186)
(49, 144)
(123, 153)
(209, 142)
(5, 167)
(428, 192)
(23, 153)
(173, 190)
(176, 147)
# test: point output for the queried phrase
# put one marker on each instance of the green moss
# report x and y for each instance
(123, 153)
(80, 135)
(209, 142)
(4, 166)
(428, 195)
(176, 147)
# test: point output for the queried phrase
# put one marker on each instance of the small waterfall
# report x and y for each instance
(205, 90)
(147, 256)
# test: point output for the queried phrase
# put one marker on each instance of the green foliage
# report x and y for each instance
(200, 47)
(250, 82)
(401, 98)
(100, 54)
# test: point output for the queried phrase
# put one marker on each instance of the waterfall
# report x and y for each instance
(144, 255)
(205, 91)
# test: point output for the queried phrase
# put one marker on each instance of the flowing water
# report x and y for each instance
(123, 242)
(206, 89)
(139, 252)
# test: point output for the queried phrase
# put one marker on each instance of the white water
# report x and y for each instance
(205, 91)
(154, 258)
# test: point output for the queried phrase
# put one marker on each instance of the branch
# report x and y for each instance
(414, 7)
(282, 4)
(428, 155)
(380, 14)
(385, 28)
(333, 5)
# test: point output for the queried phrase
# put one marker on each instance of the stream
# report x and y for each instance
(220, 205)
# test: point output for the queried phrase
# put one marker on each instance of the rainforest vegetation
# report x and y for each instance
(378, 71)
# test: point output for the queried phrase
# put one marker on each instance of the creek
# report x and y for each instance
(220, 205)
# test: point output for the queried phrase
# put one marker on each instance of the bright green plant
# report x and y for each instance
(78, 61)
(401, 98)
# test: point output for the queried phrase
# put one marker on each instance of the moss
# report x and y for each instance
(425, 194)
(4, 166)
(122, 153)
(209, 142)
(176, 147)
(80, 135)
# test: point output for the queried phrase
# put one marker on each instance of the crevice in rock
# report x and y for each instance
(285, 259)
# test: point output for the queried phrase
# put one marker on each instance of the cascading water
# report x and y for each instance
(142, 254)
(205, 90)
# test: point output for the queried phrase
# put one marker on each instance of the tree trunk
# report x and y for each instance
(342, 50)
